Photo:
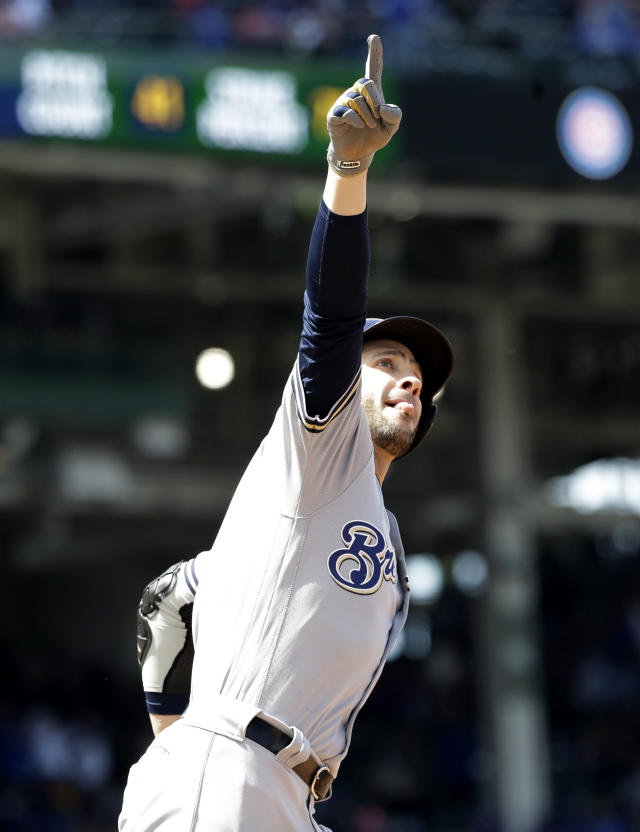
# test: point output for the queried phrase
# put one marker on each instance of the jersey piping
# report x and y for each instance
(318, 423)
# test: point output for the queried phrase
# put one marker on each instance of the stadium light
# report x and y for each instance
(470, 572)
(215, 368)
(425, 577)
(602, 485)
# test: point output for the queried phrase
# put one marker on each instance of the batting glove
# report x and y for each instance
(165, 641)
(360, 122)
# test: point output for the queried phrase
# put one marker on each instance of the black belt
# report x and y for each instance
(273, 739)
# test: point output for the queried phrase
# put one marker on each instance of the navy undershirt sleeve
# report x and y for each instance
(335, 305)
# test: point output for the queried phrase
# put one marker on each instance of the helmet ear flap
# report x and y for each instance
(429, 410)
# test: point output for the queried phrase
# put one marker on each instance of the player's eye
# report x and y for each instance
(384, 362)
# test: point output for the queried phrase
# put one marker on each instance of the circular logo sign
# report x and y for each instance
(594, 133)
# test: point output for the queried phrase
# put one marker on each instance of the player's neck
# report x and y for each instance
(382, 461)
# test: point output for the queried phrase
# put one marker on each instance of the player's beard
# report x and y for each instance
(395, 439)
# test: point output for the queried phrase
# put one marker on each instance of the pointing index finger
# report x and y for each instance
(373, 67)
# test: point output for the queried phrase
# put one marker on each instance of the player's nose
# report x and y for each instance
(411, 384)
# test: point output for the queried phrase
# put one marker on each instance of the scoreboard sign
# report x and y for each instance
(64, 94)
(182, 103)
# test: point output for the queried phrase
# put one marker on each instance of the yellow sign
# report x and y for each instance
(158, 102)
(320, 99)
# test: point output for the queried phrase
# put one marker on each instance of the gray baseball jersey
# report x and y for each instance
(304, 590)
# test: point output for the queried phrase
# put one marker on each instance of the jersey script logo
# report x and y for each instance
(365, 560)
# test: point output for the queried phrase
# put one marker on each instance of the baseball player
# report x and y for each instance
(294, 609)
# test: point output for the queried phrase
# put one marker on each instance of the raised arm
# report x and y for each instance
(359, 123)
(345, 196)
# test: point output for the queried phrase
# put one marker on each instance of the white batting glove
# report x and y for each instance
(360, 122)
(165, 642)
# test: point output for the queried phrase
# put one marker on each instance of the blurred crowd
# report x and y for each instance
(593, 27)
(65, 733)
(590, 624)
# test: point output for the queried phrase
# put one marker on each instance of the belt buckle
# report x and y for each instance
(320, 774)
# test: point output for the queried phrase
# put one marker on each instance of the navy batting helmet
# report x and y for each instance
(431, 350)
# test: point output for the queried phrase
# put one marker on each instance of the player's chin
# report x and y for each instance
(400, 439)
(403, 424)
(405, 442)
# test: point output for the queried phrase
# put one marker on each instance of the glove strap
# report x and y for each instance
(348, 167)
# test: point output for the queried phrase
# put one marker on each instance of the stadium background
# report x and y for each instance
(130, 241)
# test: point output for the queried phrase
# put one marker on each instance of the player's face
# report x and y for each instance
(391, 385)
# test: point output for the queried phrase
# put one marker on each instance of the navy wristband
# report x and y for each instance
(166, 703)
